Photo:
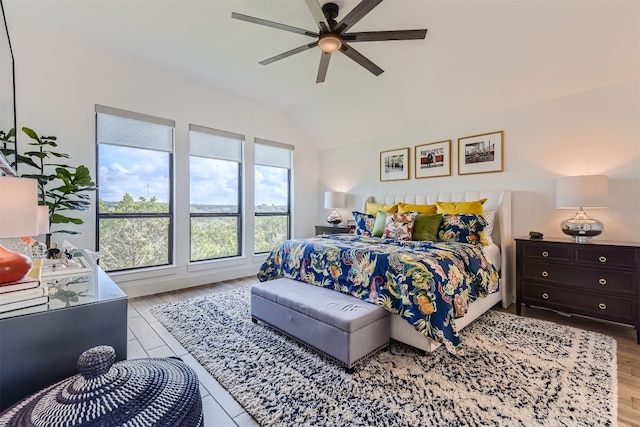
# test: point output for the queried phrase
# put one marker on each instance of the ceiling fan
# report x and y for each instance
(332, 36)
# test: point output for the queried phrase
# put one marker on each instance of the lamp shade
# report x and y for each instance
(18, 207)
(43, 219)
(585, 191)
(333, 200)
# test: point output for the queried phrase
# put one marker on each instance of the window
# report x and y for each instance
(215, 176)
(135, 189)
(273, 163)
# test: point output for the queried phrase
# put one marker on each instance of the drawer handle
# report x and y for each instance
(602, 281)
(545, 254)
(545, 274)
(602, 258)
(546, 296)
(602, 306)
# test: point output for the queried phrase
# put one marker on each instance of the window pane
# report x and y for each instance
(214, 237)
(133, 242)
(133, 179)
(270, 232)
(213, 185)
(272, 189)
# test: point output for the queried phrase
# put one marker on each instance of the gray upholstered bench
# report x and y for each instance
(338, 325)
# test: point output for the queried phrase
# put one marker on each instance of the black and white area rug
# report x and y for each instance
(518, 372)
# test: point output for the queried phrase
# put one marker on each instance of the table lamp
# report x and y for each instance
(18, 218)
(579, 192)
(334, 200)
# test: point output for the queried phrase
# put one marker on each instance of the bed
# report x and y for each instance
(341, 250)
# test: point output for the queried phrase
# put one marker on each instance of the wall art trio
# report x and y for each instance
(482, 153)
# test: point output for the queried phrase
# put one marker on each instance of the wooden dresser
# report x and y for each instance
(332, 229)
(598, 279)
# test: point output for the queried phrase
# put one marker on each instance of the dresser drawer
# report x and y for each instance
(604, 280)
(606, 257)
(602, 306)
(547, 252)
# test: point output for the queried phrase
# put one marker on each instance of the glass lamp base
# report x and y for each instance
(334, 218)
(581, 227)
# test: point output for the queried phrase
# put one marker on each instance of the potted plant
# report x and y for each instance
(61, 187)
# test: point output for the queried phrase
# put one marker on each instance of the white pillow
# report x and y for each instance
(490, 216)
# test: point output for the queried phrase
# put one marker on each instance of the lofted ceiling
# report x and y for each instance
(479, 56)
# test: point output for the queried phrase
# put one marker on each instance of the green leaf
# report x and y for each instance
(31, 134)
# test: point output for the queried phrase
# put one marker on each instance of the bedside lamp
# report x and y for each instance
(334, 200)
(579, 192)
(18, 218)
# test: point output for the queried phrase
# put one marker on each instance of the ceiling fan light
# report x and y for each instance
(329, 42)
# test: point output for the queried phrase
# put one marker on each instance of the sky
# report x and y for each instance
(144, 173)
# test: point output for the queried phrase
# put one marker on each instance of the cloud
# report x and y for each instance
(141, 173)
(144, 173)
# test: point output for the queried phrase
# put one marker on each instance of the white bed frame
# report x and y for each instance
(497, 200)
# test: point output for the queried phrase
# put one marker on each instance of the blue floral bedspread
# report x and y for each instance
(429, 284)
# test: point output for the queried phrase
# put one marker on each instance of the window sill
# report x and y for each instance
(129, 276)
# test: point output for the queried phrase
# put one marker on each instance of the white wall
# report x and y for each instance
(595, 132)
(60, 79)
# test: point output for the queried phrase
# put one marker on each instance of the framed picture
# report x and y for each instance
(480, 153)
(433, 159)
(394, 165)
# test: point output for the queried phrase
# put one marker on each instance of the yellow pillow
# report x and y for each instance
(452, 208)
(373, 208)
(423, 209)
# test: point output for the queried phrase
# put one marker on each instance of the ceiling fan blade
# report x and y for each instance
(289, 53)
(324, 65)
(374, 36)
(356, 14)
(360, 59)
(271, 24)
(318, 15)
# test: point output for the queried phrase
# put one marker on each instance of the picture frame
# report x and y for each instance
(394, 165)
(432, 160)
(482, 153)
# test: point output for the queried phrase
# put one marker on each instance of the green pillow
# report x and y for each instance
(378, 226)
(425, 227)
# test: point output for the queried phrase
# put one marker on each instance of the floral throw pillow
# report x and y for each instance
(462, 228)
(399, 226)
(364, 223)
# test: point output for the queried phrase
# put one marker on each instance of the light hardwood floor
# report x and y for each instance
(147, 338)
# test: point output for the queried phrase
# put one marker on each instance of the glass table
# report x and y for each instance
(40, 345)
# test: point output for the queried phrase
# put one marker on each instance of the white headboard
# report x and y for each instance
(497, 200)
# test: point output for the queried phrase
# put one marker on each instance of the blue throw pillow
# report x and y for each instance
(364, 223)
(462, 228)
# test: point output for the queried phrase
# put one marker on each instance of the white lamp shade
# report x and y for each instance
(18, 207)
(585, 191)
(43, 219)
(333, 200)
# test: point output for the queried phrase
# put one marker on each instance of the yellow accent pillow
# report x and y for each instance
(423, 209)
(453, 208)
(373, 208)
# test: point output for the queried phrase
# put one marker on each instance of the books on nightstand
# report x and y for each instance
(26, 292)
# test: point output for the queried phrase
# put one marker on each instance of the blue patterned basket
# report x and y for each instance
(132, 393)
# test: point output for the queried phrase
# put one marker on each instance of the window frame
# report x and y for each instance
(239, 215)
(170, 214)
(289, 169)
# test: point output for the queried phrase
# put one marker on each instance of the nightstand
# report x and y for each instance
(599, 279)
(330, 229)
